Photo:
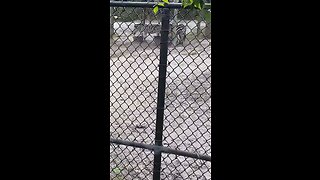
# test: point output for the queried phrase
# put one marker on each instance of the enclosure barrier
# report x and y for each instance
(160, 92)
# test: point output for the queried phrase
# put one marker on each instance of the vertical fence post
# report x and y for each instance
(161, 90)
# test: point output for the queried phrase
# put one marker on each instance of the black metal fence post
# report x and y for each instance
(174, 141)
(161, 91)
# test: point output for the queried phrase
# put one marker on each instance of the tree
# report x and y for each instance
(193, 5)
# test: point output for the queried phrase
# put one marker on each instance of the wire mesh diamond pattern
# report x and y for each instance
(134, 75)
(188, 101)
(133, 91)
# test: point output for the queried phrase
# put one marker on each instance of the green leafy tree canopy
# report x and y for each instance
(192, 4)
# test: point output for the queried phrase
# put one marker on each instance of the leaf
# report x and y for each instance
(198, 4)
(156, 9)
(161, 4)
(207, 15)
(166, 1)
(187, 3)
(117, 170)
(201, 4)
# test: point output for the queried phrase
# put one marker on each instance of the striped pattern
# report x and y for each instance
(179, 33)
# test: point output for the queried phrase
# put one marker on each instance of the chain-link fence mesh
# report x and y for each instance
(134, 73)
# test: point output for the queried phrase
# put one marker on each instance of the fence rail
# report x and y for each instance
(160, 149)
(160, 89)
(172, 5)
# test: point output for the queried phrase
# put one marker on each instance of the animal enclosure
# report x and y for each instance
(160, 93)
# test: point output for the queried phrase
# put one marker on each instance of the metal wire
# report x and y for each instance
(160, 93)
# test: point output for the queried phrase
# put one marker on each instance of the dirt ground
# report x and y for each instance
(133, 101)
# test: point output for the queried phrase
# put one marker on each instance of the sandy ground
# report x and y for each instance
(187, 125)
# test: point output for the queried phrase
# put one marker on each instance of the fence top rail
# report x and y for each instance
(171, 5)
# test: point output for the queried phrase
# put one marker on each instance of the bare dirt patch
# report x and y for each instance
(133, 101)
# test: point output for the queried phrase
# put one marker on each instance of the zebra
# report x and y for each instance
(179, 32)
(147, 29)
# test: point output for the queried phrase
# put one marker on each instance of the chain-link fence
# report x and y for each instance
(160, 92)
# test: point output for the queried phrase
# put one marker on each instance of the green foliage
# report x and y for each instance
(156, 7)
(192, 4)
(198, 5)
(207, 15)
(117, 170)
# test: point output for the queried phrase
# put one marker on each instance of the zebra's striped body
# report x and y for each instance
(147, 28)
(179, 32)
